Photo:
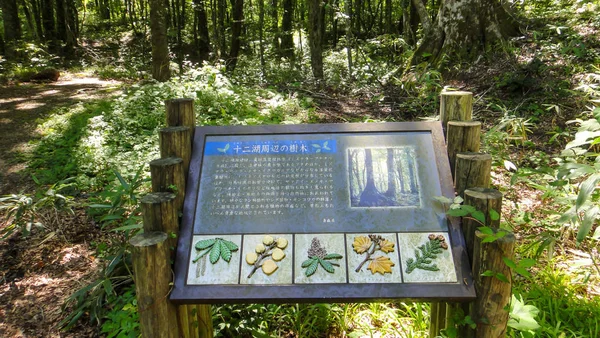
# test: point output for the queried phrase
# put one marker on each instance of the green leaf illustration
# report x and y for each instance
(225, 252)
(333, 256)
(215, 252)
(230, 245)
(316, 146)
(205, 243)
(312, 268)
(327, 266)
(325, 146)
(217, 248)
(426, 254)
(307, 262)
(224, 149)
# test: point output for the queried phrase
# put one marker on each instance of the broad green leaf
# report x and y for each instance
(522, 317)
(488, 273)
(327, 266)
(333, 256)
(124, 184)
(110, 218)
(569, 215)
(230, 245)
(308, 262)
(458, 212)
(501, 277)
(494, 215)
(310, 270)
(479, 215)
(509, 262)
(128, 227)
(227, 147)
(489, 239)
(526, 263)
(586, 189)
(205, 243)
(486, 230)
(586, 224)
(522, 272)
(215, 252)
(225, 252)
(469, 208)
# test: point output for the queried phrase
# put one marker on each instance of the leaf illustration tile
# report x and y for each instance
(223, 250)
(319, 258)
(426, 257)
(267, 259)
(373, 258)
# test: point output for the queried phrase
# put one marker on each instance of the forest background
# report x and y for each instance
(82, 100)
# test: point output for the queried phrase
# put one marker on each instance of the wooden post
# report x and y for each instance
(455, 106)
(438, 318)
(195, 321)
(177, 142)
(180, 112)
(489, 310)
(159, 214)
(472, 170)
(167, 175)
(462, 136)
(484, 200)
(152, 271)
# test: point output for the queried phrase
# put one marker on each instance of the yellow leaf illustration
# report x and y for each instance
(386, 246)
(381, 264)
(361, 244)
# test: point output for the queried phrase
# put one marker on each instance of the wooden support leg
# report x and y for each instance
(472, 170)
(152, 271)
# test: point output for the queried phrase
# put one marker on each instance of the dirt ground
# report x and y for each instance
(39, 272)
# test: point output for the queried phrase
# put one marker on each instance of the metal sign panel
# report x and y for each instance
(319, 213)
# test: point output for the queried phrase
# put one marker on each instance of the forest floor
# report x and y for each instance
(39, 272)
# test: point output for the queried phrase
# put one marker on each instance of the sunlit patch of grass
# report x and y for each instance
(566, 309)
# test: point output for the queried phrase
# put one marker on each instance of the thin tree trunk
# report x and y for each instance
(48, 23)
(261, 26)
(349, 36)
(236, 32)
(315, 38)
(160, 48)
(201, 35)
(391, 184)
(12, 26)
(389, 28)
(287, 33)
(275, 25)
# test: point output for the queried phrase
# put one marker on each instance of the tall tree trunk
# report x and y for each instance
(30, 23)
(287, 33)
(349, 36)
(71, 21)
(49, 25)
(160, 47)
(275, 25)
(236, 32)
(37, 17)
(61, 27)
(222, 9)
(315, 37)
(370, 196)
(391, 184)
(389, 27)
(201, 36)
(261, 27)
(12, 26)
(463, 29)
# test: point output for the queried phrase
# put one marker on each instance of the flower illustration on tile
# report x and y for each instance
(318, 256)
(266, 254)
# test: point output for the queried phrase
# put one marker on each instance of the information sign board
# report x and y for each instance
(319, 213)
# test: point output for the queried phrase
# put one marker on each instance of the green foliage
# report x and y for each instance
(122, 320)
(23, 210)
(217, 248)
(116, 209)
(424, 259)
(313, 263)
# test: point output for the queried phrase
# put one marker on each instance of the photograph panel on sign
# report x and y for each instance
(383, 177)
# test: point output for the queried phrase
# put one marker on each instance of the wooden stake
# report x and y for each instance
(180, 112)
(167, 176)
(484, 200)
(438, 318)
(195, 321)
(159, 214)
(177, 142)
(455, 106)
(462, 136)
(472, 170)
(152, 271)
(490, 309)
